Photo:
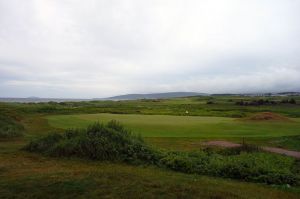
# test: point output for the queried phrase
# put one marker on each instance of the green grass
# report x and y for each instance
(114, 143)
(26, 175)
(223, 106)
(36, 176)
(183, 126)
(290, 142)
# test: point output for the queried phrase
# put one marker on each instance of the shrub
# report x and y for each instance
(256, 167)
(292, 101)
(44, 144)
(98, 142)
(209, 102)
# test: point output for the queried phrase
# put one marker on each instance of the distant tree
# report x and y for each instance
(241, 103)
(209, 102)
(260, 102)
(284, 101)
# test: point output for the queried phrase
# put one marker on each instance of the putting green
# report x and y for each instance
(182, 126)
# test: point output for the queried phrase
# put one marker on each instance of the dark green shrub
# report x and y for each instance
(44, 144)
(178, 162)
(256, 167)
(98, 142)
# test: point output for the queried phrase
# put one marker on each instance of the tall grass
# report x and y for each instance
(9, 126)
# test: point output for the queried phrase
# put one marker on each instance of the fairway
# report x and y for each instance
(182, 126)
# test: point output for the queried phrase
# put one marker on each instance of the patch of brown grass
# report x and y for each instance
(268, 116)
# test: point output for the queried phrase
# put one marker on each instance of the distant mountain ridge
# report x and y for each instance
(34, 99)
(155, 95)
(39, 99)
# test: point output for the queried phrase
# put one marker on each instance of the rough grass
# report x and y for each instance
(36, 176)
(290, 142)
(268, 116)
(223, 106)
(183, 126)
(114, 143)
(29, 175)
(10, 125)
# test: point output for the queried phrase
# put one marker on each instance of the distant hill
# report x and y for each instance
(119, 97)
(141, 96)
(154, 95)
(37, 99)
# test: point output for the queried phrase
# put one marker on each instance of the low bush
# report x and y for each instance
(255, 167)
(98, 142)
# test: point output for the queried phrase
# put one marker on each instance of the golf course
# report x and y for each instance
(122, 149)
(183, 126)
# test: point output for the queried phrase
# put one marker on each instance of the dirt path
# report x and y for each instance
(228, 144)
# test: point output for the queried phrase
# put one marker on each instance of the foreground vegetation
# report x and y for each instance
(10, 125)
(26, 175)
(114, 142)
(98, 142)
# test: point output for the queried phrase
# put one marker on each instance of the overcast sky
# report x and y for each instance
(100, 48)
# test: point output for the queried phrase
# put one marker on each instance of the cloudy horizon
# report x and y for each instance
(93, 49)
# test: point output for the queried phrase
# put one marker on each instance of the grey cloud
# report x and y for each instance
(102, 48)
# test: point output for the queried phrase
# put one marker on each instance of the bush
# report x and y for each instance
(209, 102)
(44, 144)
(98, 142)
(255, 167)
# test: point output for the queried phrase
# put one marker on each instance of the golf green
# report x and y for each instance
(182, 126)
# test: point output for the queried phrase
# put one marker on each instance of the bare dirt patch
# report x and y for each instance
(277, 150)
(221, 143)
(267, 116)
(294, 154)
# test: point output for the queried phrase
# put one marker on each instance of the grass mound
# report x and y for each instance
(268, 116)
(98, 142)
(114, 143)
(10, 126)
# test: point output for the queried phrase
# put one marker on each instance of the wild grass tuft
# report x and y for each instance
(9, 126)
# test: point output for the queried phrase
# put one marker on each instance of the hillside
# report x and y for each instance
(154, 95)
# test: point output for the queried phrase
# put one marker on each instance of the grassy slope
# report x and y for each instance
(183, 126)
